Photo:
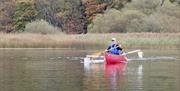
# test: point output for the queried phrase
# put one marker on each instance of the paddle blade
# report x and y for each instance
(140, 54)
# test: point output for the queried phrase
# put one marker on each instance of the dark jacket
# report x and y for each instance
(114, 49)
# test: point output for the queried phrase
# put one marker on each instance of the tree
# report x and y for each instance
(172, 1)
(48, 10)
(66, 14)
(92, 8)
(74, 17)
(25, 12)
(6, 11)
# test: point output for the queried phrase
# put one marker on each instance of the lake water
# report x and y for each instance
(62, 70)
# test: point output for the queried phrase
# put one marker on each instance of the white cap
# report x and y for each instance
(113, 39)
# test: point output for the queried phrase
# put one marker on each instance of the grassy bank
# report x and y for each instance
(90, 41)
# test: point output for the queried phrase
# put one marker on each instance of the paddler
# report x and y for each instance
(114, 47)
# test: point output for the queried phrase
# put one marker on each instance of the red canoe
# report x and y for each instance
(111, 58)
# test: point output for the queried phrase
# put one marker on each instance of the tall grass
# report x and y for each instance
(90, 41)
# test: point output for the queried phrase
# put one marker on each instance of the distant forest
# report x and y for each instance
(94, 16)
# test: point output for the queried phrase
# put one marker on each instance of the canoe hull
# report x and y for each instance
(112, 59)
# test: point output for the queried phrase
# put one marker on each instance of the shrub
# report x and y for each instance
(145, 6)
(106, 23)
(145, 24)
(168, 17)
(42, 27)
(156, 22)
(151, 25)
(170, 10)
(168, 23)
(135, 26)
(114, 21)
(139, 16)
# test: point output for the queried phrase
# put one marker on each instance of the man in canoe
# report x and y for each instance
(114, 47)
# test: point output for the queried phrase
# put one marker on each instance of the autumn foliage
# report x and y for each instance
(76, 16)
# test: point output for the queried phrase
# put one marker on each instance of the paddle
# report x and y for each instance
(140, 53)
(98, 53)
(101, 52)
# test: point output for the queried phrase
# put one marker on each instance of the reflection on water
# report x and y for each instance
(61, 70)
(114, 73)
(104, 77)
(93, 78)
(153, 75)
(40, 70)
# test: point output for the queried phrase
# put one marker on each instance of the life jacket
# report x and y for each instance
(113, 49)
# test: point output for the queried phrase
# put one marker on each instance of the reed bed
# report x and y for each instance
(90, 41)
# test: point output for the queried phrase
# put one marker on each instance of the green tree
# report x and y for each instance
(25, 12)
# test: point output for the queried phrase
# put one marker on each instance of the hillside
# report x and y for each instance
(94, 16)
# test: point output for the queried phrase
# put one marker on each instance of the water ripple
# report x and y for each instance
(154, 58)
